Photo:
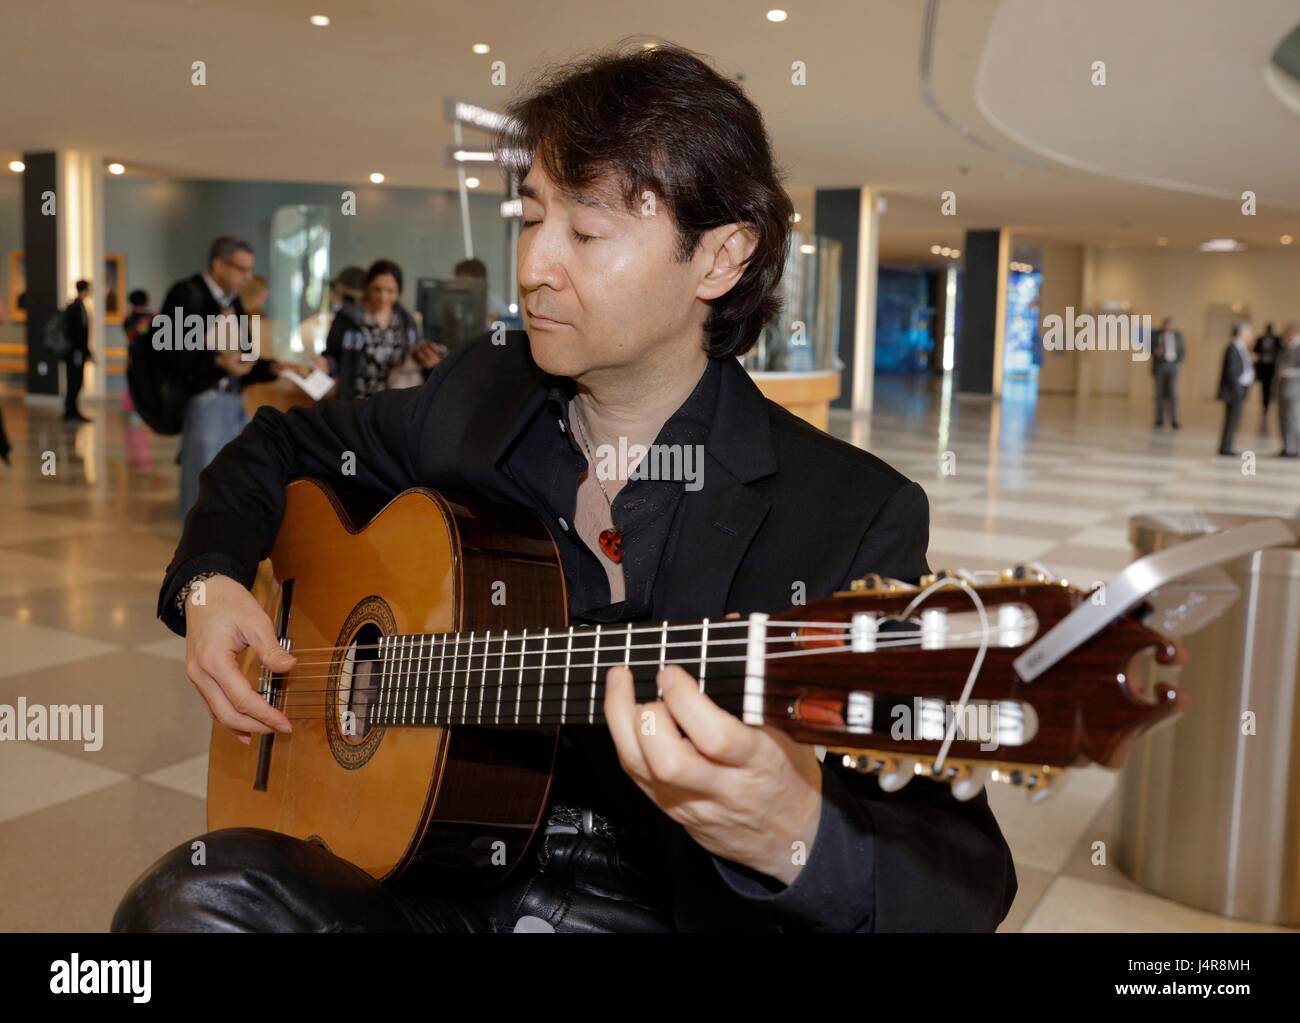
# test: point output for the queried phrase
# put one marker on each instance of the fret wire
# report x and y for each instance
(437, 699)
(704, 653)
(663, 653)
(564, 692)
(519, 686)
(406, 689)
(501, 677)
(541, 677)
(595, 671)
(428, 682)
(469, 666)
(482, 687)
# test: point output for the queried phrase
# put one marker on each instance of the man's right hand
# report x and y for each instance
(227, 622)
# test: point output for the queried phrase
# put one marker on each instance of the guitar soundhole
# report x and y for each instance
(358, 684)
(351, 695)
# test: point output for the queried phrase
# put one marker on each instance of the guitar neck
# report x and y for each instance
(557, 676)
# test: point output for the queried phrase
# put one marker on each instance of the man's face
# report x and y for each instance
(1245, 335)
(1167, 324)
(232, 272)
(600, 286)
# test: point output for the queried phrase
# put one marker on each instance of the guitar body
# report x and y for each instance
(461, 802)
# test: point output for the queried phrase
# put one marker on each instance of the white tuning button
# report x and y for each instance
(894, 779)
(970, 786)
(1046, 787)
(934, 628)
(863, 632)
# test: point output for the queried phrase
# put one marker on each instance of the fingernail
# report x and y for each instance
(244, 739)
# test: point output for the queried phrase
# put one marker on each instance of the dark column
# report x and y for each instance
(974, 360)
(837, 210)
(41, 258)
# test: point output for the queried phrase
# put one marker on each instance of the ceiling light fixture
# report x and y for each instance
(1286, 239)
(776, 15)
(471, 182)
(320, 21)
(482, 48)
(17, 166)
(376, 178)
(1221, 245)
(116, 168)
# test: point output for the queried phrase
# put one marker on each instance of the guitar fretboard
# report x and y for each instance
(553, 676)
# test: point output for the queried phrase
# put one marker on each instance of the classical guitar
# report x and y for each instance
(435, 663)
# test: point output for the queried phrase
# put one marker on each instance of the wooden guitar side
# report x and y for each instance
(463, 803)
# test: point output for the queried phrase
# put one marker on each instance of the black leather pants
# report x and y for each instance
(256, 880)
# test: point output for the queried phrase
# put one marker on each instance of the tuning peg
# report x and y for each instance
(897, 774)
(971, 784)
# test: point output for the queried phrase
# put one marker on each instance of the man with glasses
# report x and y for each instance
(214, 373)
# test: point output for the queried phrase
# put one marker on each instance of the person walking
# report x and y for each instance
(76, 328)
(1235, 378)
(1168, 353)
(1288, 391)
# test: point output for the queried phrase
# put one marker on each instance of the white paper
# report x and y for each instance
(317, 384)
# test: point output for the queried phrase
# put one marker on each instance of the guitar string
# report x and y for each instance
(409, 650)
(582, 630)
(399, 659)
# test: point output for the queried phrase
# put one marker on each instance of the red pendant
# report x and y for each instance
(611, 542)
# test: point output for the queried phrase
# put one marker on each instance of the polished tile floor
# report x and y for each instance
(89, 522)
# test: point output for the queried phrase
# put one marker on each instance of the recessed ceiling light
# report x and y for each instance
(1221, 245)
(116, 168)
(320, 21)
(1162, 242)
(777, 15)
(934, 250)
(17, 166)
(1286, 239)
(482, 48)
(796, 217)
(956, 253)
(471, 182)
(376, 178)
(807, 248)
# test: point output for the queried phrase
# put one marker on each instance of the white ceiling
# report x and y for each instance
(1184, 120)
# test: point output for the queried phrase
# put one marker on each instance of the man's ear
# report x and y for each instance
(725, 249)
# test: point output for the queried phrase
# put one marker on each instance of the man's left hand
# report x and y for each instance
(749, 795)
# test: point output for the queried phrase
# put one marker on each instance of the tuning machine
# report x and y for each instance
(966, 777)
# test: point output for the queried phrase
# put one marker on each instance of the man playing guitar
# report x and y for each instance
(653, 241)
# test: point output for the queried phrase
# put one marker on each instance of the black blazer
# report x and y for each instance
(1158, 360)
(199, 368)
(1233, 366)
(782, 502)
(77, 328)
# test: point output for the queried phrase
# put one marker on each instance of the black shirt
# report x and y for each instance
(549, 463)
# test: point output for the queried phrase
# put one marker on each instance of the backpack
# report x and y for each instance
(55, 335)
(158, 392)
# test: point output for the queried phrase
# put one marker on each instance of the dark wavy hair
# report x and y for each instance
(663, 120)
(380, 267)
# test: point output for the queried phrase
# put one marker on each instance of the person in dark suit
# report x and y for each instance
(1288, 391)
(214, 373)
(635, 323)
(1235, 378)
(1167, 354)
(76, 328)
(1267, 347)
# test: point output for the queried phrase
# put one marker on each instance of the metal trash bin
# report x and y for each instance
(1209, 815)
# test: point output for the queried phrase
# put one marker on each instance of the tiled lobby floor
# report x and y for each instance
(82, 552)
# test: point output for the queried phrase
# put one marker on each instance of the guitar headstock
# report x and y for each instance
(879, 673)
